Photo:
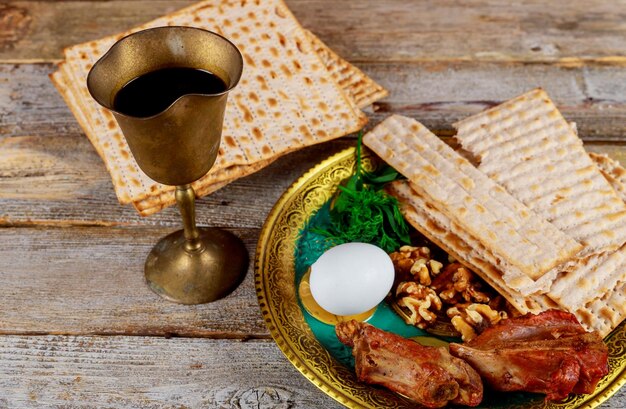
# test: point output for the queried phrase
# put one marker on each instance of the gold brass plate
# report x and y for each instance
(277, 295)
(176, 147)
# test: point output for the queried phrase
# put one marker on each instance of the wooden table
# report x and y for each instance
(78, 326)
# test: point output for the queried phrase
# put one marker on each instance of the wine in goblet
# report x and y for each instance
(167, 88)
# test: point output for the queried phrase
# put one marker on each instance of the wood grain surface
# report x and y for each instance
(592, 96)
(561, 31)
(150, 373)
(78, 326)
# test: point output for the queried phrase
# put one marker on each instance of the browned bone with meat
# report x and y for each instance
(427, 375)
(546, 353)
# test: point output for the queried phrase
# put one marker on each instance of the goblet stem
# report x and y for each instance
(197, 264)
(186, 200)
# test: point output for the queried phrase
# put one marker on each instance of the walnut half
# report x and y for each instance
(421, 301)
(456, 284)
(470, 320)
(414, 263)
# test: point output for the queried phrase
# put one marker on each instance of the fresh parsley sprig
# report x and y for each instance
(362, 212)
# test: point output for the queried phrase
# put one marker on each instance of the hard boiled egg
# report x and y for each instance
(351, 278)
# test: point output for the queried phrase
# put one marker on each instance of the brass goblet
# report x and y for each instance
(176, 147)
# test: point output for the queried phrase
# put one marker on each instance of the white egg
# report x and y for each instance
(351, 278)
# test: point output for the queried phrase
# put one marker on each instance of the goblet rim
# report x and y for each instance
(229, 88)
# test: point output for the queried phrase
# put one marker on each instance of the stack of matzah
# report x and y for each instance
(294, 92)
(536, 218)
(526, 145)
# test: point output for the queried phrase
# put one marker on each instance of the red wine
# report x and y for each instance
(151, 93)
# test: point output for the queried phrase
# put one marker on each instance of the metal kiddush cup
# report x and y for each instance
(177, 146)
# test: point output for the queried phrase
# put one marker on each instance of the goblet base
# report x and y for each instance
(196, 276)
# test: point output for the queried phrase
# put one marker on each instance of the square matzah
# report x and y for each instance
(286, 98)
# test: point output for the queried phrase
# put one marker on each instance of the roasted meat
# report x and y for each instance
(427, 375)
(547, 353)
(551, 324)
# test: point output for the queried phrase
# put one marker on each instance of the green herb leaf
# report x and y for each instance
(378, 179)
(362, 212)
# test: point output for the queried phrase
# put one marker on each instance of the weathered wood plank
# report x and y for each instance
(435, 93)
(123, 372)
(61, 181)
(133, 372)
(90, 281)
(30, 105)
(562, 31)
(39, 30)
(536, 31)
(439, 94)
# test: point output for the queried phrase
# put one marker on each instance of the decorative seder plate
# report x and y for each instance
(277, 294)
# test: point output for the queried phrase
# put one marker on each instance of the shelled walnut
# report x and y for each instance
(421, 301)
(415, 263)
(426, 287)
(472, 319)
(456, 284)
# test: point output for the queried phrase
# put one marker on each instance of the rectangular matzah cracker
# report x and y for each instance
(527, 246)
(439, 229)
(526, 146)
(285, 100)
(164, 198)
(605, 313)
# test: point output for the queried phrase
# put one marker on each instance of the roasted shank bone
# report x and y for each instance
(547, 353)
(427, 375)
